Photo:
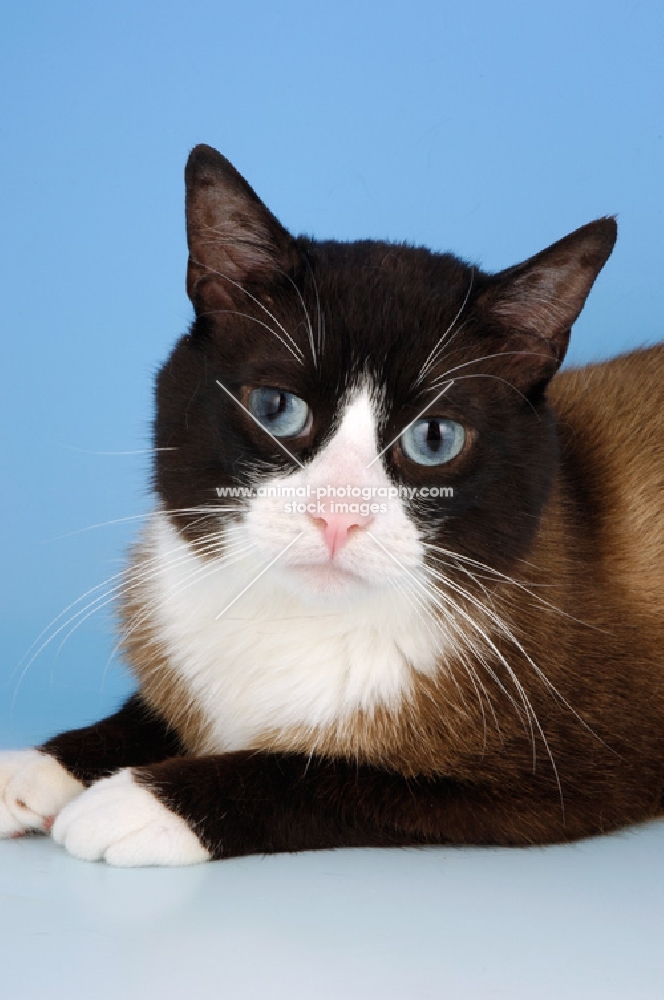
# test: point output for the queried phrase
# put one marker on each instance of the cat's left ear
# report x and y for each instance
(534, 304)
(235, 243)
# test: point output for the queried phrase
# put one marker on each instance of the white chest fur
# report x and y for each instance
(273, 661)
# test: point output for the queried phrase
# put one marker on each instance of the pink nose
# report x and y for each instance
(337, 527)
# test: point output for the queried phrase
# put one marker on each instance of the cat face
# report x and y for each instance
(381, 406)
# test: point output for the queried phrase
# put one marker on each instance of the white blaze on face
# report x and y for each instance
(377, 522)
(353, 447)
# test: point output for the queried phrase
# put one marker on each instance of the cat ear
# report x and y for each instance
(534, 304)
(234, 241)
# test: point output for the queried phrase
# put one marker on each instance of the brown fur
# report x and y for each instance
(161, 687)
(598, 564)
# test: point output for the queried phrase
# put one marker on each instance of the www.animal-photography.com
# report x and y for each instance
(334, 500)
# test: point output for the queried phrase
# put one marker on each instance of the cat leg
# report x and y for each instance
(245, 803)
(36, 784)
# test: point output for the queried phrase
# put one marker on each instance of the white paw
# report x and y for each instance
(33, 789)
(123, 823)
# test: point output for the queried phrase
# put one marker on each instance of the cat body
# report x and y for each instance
(447, 629)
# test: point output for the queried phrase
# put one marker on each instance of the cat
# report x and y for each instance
(403, 581)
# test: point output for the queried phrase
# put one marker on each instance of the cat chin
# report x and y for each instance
(325, 583)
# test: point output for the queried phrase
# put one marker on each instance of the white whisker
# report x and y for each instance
(245, 291)
(435, 351)
(496, 575)
(307, 318)
(254, 319)
(504, 628)
(320, 319)
(128, 580)
(239, 552)
(134, 451)
(216, 509)
(456, 607)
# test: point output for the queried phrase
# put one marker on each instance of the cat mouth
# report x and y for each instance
(326, 575)
(329, 567)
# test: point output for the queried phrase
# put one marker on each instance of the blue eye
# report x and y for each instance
(433, 442)
(280, 412)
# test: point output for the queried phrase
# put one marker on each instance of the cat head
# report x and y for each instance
(382, 406)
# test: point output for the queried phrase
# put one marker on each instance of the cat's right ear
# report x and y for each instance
(235, 244)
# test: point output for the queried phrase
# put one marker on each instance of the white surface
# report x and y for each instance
(580, 921)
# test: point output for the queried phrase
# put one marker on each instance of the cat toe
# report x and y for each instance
(123, 823)
(34, 787)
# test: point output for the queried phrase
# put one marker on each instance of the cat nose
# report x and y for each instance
(337, 527)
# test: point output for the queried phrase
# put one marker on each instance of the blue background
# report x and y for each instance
(489, 129)
(486, 128)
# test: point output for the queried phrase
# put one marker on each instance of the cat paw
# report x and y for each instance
(34, 787)
(123, 823)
